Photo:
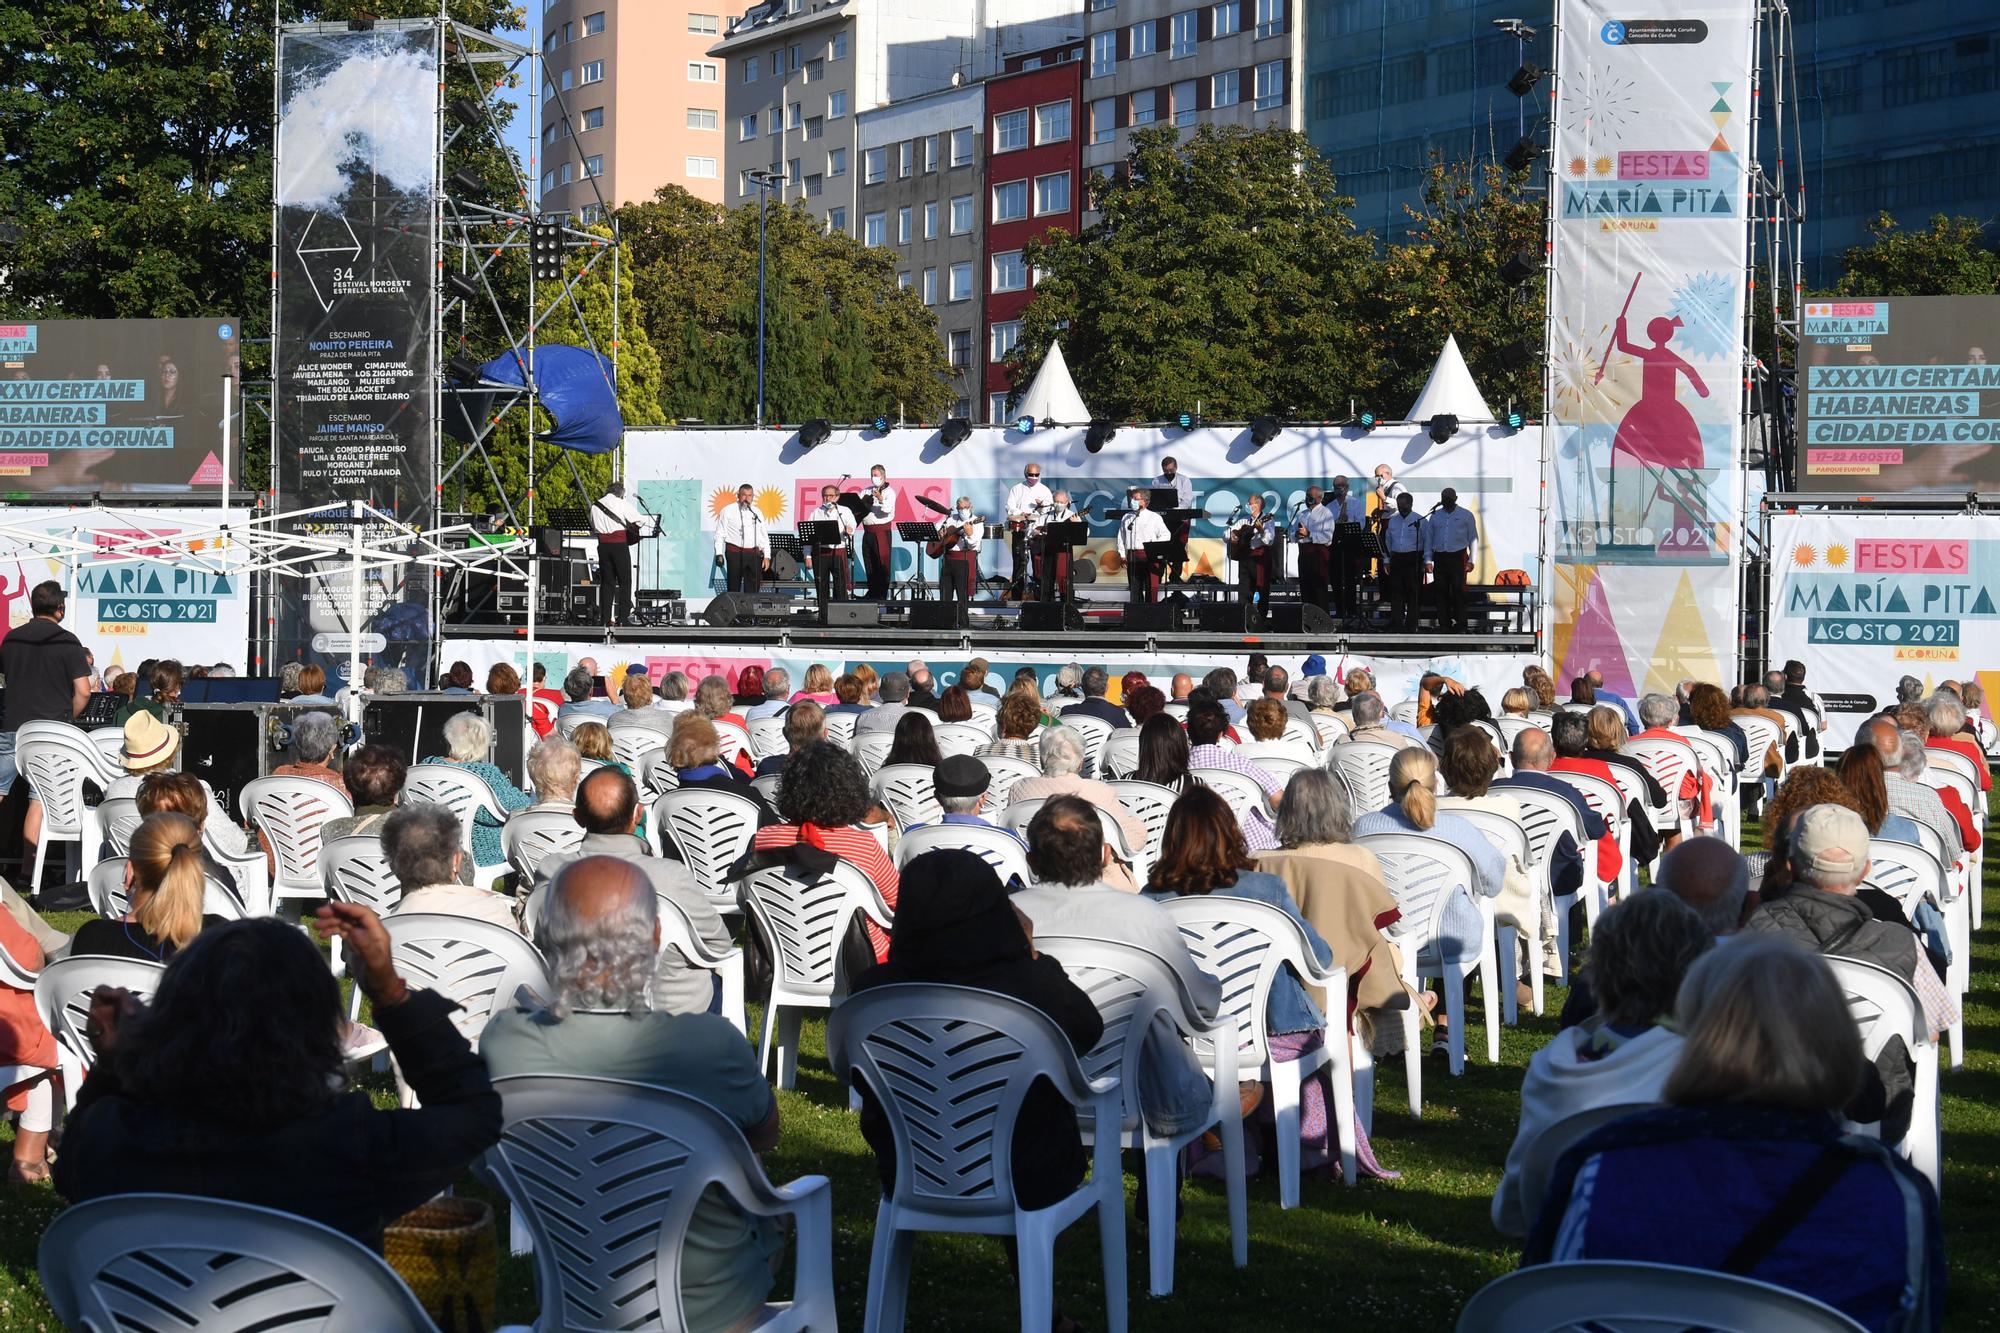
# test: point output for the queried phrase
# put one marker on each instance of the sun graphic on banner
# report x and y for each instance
(1804, 555)
(1577, 166)
(1573, 372)
(1836, 555)
(1602, 166)
(771, 503)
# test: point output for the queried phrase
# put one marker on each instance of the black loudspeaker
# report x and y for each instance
(414, 724)
(1297, 618)
(937, 615)
(1220, 617)
(1156, 617)
(747, 608)
(1050, 617)
(854, 615)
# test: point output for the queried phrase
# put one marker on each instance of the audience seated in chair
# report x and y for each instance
(893, 708)
(1570, 731)
(638, 713)
(1468, 765)
(777, 687)
(1206, 723)
(915, 742)
(315, 736)
(26, 1045)
(164, 881)
(421, 842)
(1019, 722)
(374, 775)
(1745, 1169)
(247, 1109)
(577, 685)
(822, 803)
(1901, 756)
(1640, 951)
(1062, 755)
(1370, 718)
(695, 755)
(554, 766)
(1096, 684)
(805, 724)
(961, 785)
(468, 740)
(1533, 754)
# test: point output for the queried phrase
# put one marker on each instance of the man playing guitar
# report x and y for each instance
(957, 545)
(1025, 499)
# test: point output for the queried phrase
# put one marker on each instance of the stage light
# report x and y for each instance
(462, 284)
(880, 423)
(954, 432)
(463, 369)
(1367, 420)
(814, 433)
(1098, 435)
(1517, 354)
(1263, 430)
(1025, 424)
(467, 112)
(1525, 79)
(1442, 427)
(1524, 154)
(1520, 266)
(545, 247)
(1186, 420)
(1515, 421)
(465, 185)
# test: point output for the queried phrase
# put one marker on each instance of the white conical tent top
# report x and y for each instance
(1052, 394)
(1450, 390)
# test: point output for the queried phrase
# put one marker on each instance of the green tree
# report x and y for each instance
(1952, 258)
(841, 340)
(1445, 279)
(1223, 269)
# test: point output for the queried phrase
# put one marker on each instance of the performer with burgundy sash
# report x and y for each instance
(1139, 526)
(878, 525)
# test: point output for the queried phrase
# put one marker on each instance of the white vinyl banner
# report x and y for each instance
(1645, 339)
(1866, 599)
(129, 601)
(688, 476)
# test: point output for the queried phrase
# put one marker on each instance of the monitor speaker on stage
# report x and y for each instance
(1298, 618)
(854, 615)
(937, 615)
(1157, 617)
(1050, 617)
(726, 609)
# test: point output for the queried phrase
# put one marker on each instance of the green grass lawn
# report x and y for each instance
(1407, 1252)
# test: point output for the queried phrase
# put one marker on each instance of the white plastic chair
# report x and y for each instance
(997, 847)
(290, 811)
(1120, 756)
(631, 744)
(1669, 762)
(1546, 817)
(531, 835)
(1242, 793)
(62, 998)
(355, 869)
(711, 830)
(840, 729)
(465, 795)
(1609, 803)
(1019, 814)
(1908, 873)
(656, 775)
(735, 740)
(907, 792)
(1300, 734)
(1539, 1166)
(151, 1261)
(767, 736)
(1331, 728)
(57, 759)
(1883, 1006)
(475, 964)
(1364, 767)
(960, 738)
(1510, 839)
(1717, 756)
(1939, 779)
(1095, 732)
(1003, 771)
(1620, 1296)
(1149, 803)
(1406, 711)
(801, 918)
(1245, 945)
(1420, 871)
(1177, 710)
(116, 820)
(1761, 735)
(871, 748)
(110, 742)
(567, 723)
(604, 1177)
(1131, 987)
(1507, 727)
(767, 786)
(949, 1067)
(1280, 759)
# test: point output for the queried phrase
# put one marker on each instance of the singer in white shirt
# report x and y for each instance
(1314, 534)
(1253, 537)
(1139, 526)
(877, 526)
(958, 572)
(1054, 582)
(832, 566)
(1025, 498)
(609, 520)
(743, 543)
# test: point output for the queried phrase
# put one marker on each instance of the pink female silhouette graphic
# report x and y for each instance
(1657, 429)
(9, 596)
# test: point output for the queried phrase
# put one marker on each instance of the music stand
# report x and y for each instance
(1162, 499)
(821, 536)
(1059, 541)
(919, 535)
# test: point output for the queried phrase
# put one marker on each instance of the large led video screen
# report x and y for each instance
(1899, 395)
(117, 406)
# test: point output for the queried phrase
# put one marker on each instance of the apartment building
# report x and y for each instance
(632, 101)
(1232, 62)
(921, 194)
(1034, 181)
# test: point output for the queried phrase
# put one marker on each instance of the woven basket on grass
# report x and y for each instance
(449, 1254)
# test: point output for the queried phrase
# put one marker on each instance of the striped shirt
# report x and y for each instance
(857, 847)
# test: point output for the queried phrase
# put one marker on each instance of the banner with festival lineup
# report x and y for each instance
(688, 476)
(1866, 599)
(1645, 336)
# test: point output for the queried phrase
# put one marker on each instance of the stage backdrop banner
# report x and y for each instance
(115, 406)
(135, 602)
(688, 476)
(354, 385)
(1645, 336)
(1866, 599)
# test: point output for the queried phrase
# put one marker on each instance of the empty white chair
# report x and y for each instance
(57, 759)
(1510, 839)
(801, 917)
(1095, 732)
(529, 836)
(767, 736)
(1120, 756)
(136, 1261)
(289, 812)
(1131, 987)
(997, 847)
(62, 997)
(110, 742)
(960, 737)
(1004, 771)
(116, 820)
(1619, 1296)
(465, 795)
(1364, 767)
(1245, 945)
(631, 745)
(872, 748)
(605, 1176)
(767, 786)
(677, 932)
(1421, 871)
(711, 830)
(949, 1067)
(475, 964)
(735, 740)
(907, 791)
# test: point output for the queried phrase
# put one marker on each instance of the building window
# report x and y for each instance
(1103, 54)
(1145, 39)
(836, 162)
(591, 213)
(1103, 120)
(569, 33)
(566, 81)
(1270, 17)
(1098, 6)
(1145, 103)
(548, 181)
(961, 215)
(1228, 19)
(752, 68)
(1184, 35)
(549, 43)
(996, 407)
(903, 225)
(1009, 273)
(566, 174)
(1181, 95)
(815, 186)
(593, 23)
(1270, 84)
(795, 116)
(930, 286)
(1052, 122)
(903, 281)
(1226, 88)
(1010, 131)
(836, 221)
(874, 165)
(793, 174)
(930, 220)
(959, 348)
(778, 63)
(1010, 201)
(961, 282)
(701, 168)
(906, 153)
(705, 25)
(874, 228)
(594, 165)
(837, 48)
(961, 148)
(743, 182)
(1052, 193)
(1006, 337)
(815, 70)
(699, 71)
(930, 153)
(836, 104)
(593, 119)
(746, 127)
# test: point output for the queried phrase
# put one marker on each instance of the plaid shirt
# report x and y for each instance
(1932, 995)
(1922, 804)
(1258, 831)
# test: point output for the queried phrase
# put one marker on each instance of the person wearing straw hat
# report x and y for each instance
(150, 746)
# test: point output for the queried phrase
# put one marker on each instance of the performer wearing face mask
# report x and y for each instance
(1025, 499)
(1348, 512)
(832, 566)
(1403, 540)
(1053, 582)
(877, 526)
(957, 547)
(1253, 540)
(1314, 534)
(1449, 533)
(1139, 526)
(743, 543)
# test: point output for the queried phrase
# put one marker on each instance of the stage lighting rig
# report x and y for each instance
(1263, 430)
(1187, 421)
(466, 112)
(1366, 420)
(1524, 154)
(1442, 427)
(1025, 424)
(462, 284)
(1525, 79)
(463, 370)
(545, 246)
(880, 425)
(954, 431)
(1515, 420)
(814, 433)
(1099, 435)
(1520, 266)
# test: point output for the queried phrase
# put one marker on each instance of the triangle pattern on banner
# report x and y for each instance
(1594, 642)
(1721, 106)
(1685, 650)
(1571, 583)
(1719, 145)
(209, 473)
(1722, 87)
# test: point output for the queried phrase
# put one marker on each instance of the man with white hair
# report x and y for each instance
(1909, 690)
(600, 931)
(895, 693)
(1907, 796)
(1370, 714)
(1947, 719)
(777, 691)
(1697, 786)
(1068, 686)
(1062, 769)
(422, 845)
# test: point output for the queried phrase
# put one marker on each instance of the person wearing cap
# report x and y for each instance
(1313, 666)
(961, 783)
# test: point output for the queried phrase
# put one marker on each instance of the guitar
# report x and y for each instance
(949, 534)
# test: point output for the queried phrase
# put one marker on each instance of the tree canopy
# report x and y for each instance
(1950, 258)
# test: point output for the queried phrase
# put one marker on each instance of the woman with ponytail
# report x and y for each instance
(1413, 808)
(164, 878)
